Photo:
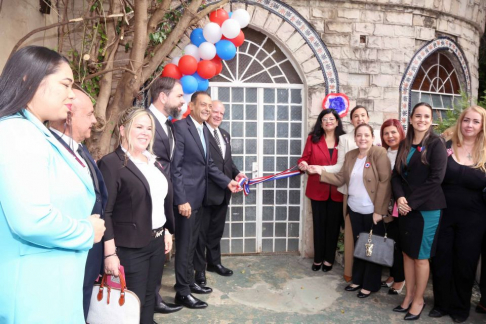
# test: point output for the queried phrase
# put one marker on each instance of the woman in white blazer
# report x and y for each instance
(359, 115)
(46, 196)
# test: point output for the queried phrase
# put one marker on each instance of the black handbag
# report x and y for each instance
(375, 248)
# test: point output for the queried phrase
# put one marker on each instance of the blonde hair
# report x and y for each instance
(479, 150)
(126, 120)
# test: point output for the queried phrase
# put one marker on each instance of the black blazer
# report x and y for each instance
(422, 185)
(191, 168)
(161, 146)
(216, 195)
(128, 215)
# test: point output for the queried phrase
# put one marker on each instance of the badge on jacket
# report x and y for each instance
(367, 165)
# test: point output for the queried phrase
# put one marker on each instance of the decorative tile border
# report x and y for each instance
(312, 38)
(411, 72)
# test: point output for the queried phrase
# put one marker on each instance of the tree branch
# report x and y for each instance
(208, 10)
(63, 23)
(157, 16)
(94, 75)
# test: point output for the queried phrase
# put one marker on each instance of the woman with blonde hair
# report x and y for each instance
(463, 224)
(139, 209)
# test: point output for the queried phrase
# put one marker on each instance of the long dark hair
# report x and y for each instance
(318, 131)
(22, 75)
(406, 144)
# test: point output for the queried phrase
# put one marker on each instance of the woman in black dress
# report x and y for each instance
(419, 170)
(463, 222)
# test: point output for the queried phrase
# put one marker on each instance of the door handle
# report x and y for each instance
(254, 169)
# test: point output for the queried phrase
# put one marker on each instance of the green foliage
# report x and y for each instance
(165, 28)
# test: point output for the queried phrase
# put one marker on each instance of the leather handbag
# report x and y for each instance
(375, 248)
(113, 305)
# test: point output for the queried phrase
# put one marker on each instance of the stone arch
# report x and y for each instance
(285, 25)
(441, 43)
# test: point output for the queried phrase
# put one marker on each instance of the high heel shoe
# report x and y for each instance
(393, 291)
(316, 267)
(412, 317)
(351, 288)
(385, 284)
(363, 295)
(400, 309)
(326, 268)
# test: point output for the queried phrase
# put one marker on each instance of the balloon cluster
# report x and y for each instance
(202, 58)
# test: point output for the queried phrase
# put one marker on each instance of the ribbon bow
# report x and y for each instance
(245, 183)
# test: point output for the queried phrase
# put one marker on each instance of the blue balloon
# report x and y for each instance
(202, 84)
(189, 84)
(230, 14)
(225, 49)
(197, 37)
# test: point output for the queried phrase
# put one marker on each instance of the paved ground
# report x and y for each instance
(283, 289)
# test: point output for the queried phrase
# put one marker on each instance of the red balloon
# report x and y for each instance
(172, 71)
(187, 65)
(238, 40)
(206, 69)
(187, 113)
(217, 64)
(218, 16)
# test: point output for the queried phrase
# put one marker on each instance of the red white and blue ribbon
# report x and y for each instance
(246, 183)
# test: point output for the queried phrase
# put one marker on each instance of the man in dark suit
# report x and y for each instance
(191, 168)
(208, 248)
(167, 101)
(71, 133)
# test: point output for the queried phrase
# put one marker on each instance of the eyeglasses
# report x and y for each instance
(328, 119)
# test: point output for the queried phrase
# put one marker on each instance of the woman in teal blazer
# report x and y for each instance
(46, 196)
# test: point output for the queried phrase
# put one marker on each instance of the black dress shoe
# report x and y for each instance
(196, 289)
(400, 309)
(458, 319)
(316, 267)
(412, 317)
(436, 312)
(189, 301)
(200, 278)
(220, 269)
(166, 308)
(326, 268)
(362, 295)
(351, 288)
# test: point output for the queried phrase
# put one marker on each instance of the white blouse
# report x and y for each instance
(158, 186)
(358, 200)
(392, 156)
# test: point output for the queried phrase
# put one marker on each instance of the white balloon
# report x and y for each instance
(192, 50)
(212, 32)
(183, 110)
(230, 28)
(242, 16)
(187, 98)
(175, 60)
(207, 51)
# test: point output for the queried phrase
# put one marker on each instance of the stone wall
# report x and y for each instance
(19, 18)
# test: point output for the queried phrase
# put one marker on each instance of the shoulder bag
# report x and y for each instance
(375, 248)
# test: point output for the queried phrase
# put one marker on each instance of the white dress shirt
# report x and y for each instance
(74, 147)
(162, 120)
(358, 198)
(221, 138)
(392, 156)
(158, 186)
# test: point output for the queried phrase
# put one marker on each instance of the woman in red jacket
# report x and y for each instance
(326, 201)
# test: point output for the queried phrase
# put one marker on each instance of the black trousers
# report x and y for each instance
(208, 249)
(397, 271)
(187, 234)
(365, 274)
(455, 263)
(143, 270)
(94, 267)
(327, 217)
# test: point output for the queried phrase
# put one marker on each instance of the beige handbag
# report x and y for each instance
(113, 305)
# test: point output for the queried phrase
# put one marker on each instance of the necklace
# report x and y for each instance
(469, 156)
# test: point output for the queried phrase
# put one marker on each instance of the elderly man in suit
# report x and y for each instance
(208, 250)
(191, 168)
(71, 133)
(167, 101)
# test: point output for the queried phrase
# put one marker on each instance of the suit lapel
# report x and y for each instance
(352, 157)
(195, 135)
(164, 138)
(213, 143)
(322, 145)
(133, 168)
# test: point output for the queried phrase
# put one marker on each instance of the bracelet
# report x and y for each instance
(110, 255)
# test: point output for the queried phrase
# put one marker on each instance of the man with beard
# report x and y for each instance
(167, 101)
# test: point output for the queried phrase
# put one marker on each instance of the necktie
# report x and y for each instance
(216, 137)
(92, 171)
(201, 135)
(170, 135)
